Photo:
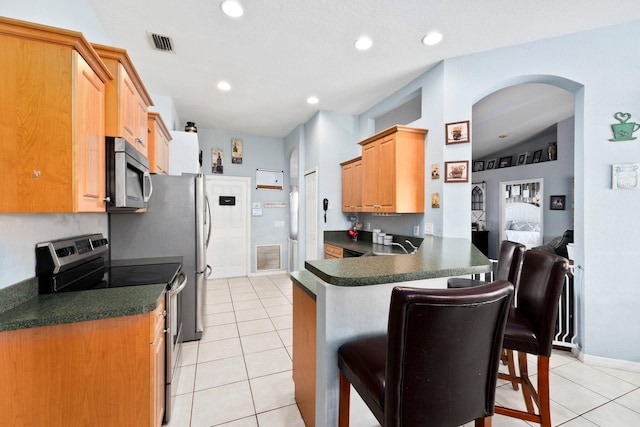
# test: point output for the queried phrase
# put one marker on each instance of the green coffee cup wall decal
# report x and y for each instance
(624, 130)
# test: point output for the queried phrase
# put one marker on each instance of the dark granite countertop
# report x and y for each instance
(69, 307)
(305, 281)
(28, 309)
(436, 257)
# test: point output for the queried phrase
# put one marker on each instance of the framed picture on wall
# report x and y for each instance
(491, 164)
(536, 156)
(557, 203)
(505, 162)
(478, 166)
(457, 171)
(236, 151)
(457, 132)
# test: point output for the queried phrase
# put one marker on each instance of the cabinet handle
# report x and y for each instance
(138, 140)
(36, 174)
(107, 199)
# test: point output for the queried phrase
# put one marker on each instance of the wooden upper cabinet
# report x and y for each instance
(52, 129)
(127, 99)
(159, 138)
(352, 185)
(393, 171)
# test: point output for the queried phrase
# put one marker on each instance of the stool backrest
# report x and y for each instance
(541, 282)
(510, 261)
(443, 353)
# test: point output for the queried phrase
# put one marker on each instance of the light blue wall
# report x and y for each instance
(259, 152)
(604, 219)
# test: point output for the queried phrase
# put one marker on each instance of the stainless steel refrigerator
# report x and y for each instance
(177, 222)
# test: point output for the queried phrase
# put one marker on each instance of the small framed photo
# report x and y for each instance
(236, 151)
(478, 166)
(435, 171)
(457, 171)
(557, 203)
(522, 158)
(491, 164)
(536, 156)
(457, 132)
(217, 161)
(625, 176)
(435, 200)
(505, 162)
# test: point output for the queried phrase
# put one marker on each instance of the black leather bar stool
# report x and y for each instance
(530, 330)
(509, 264)
(438, 363)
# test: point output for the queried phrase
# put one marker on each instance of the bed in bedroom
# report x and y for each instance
(522, 224)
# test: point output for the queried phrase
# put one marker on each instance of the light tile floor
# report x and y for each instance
(239, 373)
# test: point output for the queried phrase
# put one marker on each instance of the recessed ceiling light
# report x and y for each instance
(232, 8)
(313, 100)
(223, 85)
(432, 38)
(363, 43)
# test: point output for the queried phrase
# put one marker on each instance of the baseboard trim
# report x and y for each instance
(606, 362)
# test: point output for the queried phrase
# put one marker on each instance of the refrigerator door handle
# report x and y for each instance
(207, 208)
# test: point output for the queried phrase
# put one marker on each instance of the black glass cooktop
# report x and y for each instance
(148, 274)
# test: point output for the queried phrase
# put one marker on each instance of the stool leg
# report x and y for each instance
(343, 401)
(508, 359)
(524, 375)
(483, 422)
(543, 391)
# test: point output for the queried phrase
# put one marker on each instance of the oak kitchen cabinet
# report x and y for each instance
(52, 120)
(331, 251)
(127, 99)
(159, 138)
(304, 351)
(352, 185)
(393, 171)
(107, 372)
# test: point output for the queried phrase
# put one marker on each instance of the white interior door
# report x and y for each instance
(311, 215)
(228, 251)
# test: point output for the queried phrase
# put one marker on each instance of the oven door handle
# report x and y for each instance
(182, 284)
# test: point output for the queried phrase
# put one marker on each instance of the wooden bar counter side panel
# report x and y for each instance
(304, 354)
(79, 374)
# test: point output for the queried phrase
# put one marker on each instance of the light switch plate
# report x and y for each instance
(416, 230)
(256, 205)
(428, 228)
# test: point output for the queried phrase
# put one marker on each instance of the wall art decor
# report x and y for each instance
(491, 164)
(625, 176)
(435, 171)
(435, 200)
(478, 166)
(557, 203)
(217, 160)
(522, 158)
(537, 155)
(236, 151)
(457, 132)
(457, 171)
(624, 130)
(504, 162)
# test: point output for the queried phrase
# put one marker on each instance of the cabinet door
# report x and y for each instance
(386, 199)
(356, 188)
(158, 367)
(370, 176)
(141, 130)
(89, 147)
(163, 154)
(128, 105)
(347, 188)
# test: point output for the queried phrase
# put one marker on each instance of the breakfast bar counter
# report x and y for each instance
(350, 297)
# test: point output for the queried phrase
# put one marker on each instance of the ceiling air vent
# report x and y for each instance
(161, 42)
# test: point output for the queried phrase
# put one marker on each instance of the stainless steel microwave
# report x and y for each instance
(129, 184)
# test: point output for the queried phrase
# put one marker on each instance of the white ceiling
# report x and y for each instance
(283, 51)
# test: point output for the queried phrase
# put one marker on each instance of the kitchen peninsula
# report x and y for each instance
(350, 298)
